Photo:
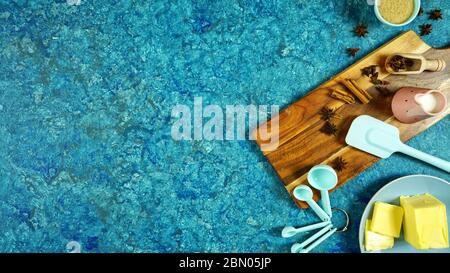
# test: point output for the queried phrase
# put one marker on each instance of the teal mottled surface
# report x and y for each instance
(86, 94)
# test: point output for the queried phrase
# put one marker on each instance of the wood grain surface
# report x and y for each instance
(301, 144)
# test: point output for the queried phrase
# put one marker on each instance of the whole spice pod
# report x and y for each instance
(328, 114)
(329, 128)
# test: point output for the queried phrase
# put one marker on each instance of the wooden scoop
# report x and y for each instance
(407, 64)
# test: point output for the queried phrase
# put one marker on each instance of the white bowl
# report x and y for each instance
(413, 16)
(407, 185)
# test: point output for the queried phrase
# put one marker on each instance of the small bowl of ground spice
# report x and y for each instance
(396, 13)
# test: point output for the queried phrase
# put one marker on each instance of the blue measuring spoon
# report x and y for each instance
(299, 246)
(318, 241)
(304, 193)
(292, 231)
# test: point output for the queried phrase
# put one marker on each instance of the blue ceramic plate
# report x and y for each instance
(407, 185)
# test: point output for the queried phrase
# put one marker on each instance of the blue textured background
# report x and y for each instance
(86, 94)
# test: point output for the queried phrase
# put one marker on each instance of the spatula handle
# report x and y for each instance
(440, 163)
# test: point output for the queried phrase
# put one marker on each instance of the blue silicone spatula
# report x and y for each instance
(381, 139)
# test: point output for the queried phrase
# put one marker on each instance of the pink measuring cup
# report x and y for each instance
(413, 104)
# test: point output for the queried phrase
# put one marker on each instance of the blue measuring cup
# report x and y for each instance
(323, 178)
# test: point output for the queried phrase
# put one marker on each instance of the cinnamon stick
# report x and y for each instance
(361, 94)
(342, 95)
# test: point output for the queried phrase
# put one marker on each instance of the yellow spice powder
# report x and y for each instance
(396, 11)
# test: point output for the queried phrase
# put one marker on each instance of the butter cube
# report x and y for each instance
(425, 224)
(375, 241)
(387, 219)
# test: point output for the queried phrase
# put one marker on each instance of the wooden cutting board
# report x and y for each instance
(302, 145)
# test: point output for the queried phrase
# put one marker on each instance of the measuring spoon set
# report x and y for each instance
(322, 178)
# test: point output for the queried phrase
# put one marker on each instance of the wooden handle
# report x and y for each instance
(435, 65)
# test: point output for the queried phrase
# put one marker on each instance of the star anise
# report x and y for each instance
(339, 164)
(374, 79)
(398, 63)
(435, 14)
(380, 85)
(384, 90)
(329, 129)
(328, 114)
(360, 30)
(352, 51)
(425, 29)
(420, 12)
(369, 70)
